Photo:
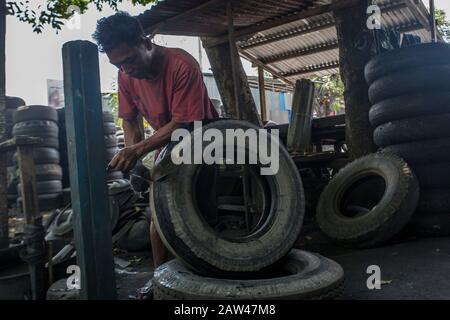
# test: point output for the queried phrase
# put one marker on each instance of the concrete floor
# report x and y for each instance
(410, 268)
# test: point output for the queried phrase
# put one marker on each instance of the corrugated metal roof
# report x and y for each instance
(302, 48)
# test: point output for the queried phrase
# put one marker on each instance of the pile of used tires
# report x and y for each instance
(12, 103)
(120, 138)
(110, 144)
(410, 95)
(221, 255)
(42, 122)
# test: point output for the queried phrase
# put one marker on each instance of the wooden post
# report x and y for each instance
(4, 241)
(233, 52)
(433, 22)
(221, 65)
(87, 163)
(262, 93)
(299, 132)
(351, 24)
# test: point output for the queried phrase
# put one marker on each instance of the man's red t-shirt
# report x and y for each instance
(178, 93)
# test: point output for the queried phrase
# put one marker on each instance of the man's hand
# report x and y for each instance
(125, 160)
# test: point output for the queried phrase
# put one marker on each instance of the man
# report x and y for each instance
(163, 85)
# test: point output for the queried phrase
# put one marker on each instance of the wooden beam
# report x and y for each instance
(315, 68)
(433, 22)
(248, 31)
(87, 163)
(302, 52)
(262, 94)
(265, 67)
(188, 13)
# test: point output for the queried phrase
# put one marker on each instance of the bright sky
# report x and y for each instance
(31, 59)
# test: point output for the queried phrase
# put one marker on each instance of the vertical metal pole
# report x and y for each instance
(433, 21)
(4, 241)
(262, 93)
(87, 161)
(233, 54)
(36, 253)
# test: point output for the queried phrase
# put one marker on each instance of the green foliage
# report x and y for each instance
(443, 25)
(329, 95)
(55, 12)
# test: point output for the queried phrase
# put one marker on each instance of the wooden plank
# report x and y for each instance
(328, 122)
(87, 162)
(299, 132)
(262, 94)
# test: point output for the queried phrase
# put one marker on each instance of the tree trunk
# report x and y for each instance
(351, 29)
(220, 59)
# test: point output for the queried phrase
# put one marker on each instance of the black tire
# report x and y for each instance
(46, 202)
(435, 201)
(381, 183)
(13, 102)
(47, 130)
(32, 113)
(44, 156)
(433, 176)
(137, 238)
(426, 54)
(45, 187)
(111, 152)
(310, 276)
(45, 172)
(109, 128)
(422, 152)
(432, 78)
(179, 220)
(110, 141)
(108, 117)
(428, 224)
(409, 106)
(412, 129)
(114, 175)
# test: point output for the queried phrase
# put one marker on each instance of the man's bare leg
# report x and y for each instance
(159, 250)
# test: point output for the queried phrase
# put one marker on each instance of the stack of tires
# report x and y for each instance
(12, 103)
(410, 95)
(109, 128)
(217, 259)
(120, 138)
(42, 122)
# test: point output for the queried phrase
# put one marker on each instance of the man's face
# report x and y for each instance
(134, 61)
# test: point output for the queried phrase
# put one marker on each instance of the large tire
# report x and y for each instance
(433, 176)
(413, 129)
(109, 128)
(137, 238)
(409, 106)
(432, 78)
(427, 54)
(422, 152)
(111, 152)
(430, 224)
(435, 201)
(184, 231)
(309, 276)
(13, 102)
(31, 113)
(388, 205)
(110, 141)
(43, 156)
(45, 187)
(108, 116)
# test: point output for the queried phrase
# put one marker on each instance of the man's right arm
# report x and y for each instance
(132, 131)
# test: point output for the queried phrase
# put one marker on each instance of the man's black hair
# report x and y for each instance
(116, 29)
